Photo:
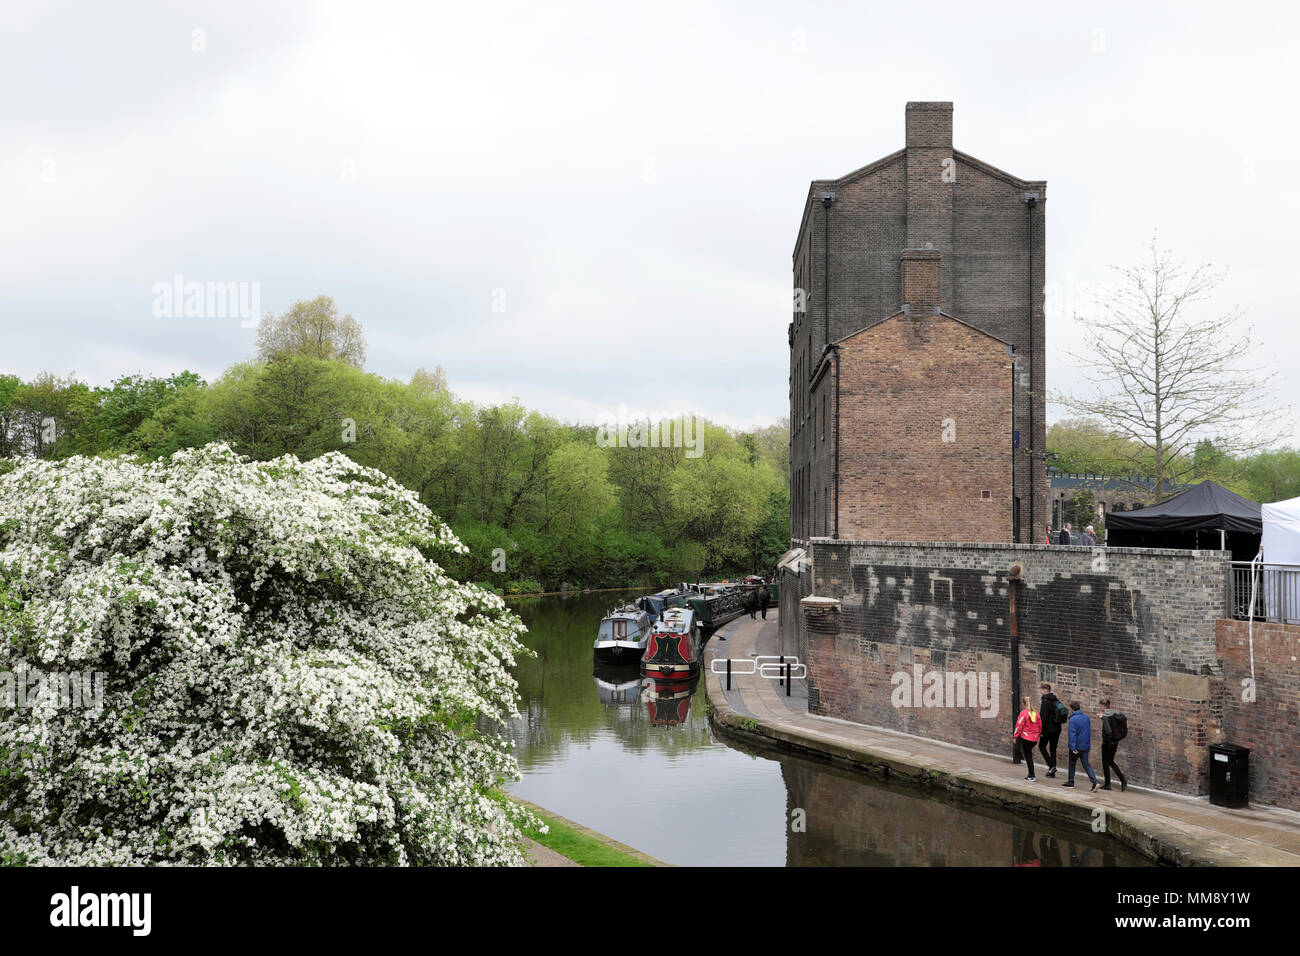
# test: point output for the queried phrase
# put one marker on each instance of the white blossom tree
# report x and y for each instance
(289, 677)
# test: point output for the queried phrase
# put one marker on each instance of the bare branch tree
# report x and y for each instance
(1166, 378)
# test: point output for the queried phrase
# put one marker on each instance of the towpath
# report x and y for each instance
(1171, 828)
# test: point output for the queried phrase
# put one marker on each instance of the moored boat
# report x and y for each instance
(661, 601)
(622, 635)
(673, 646)
(716, 604)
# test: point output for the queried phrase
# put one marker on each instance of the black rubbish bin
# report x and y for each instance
(1229, 775)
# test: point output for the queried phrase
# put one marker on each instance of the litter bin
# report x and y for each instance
(1229, 775)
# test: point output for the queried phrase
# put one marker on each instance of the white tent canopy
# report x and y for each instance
(1280, 544)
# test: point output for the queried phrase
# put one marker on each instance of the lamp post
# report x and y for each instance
(1013, 586)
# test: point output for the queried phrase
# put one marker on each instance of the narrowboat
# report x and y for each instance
(716, 604)
(673, 646)
(622, 635)
(659, 602)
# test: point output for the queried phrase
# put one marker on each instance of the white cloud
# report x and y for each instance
(630, 178)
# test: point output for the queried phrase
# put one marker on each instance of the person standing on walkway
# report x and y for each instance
(763, 599)
(1079, 737)
(753, 604)
(1048, 538)
(1114, 728)
(1029, 727)
(1051, 708)
(1065, 533)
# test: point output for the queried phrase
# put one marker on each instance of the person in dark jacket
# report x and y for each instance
(1065, 533)
(752, 603)
(1109, 746)
(763, 599)
(1079, 737)
(1051, 728)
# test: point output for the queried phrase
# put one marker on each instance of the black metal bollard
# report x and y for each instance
(728, 673)
(780, 670)
(787, 680)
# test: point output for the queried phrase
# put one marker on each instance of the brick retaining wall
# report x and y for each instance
(1270, 723)
(1136, 625)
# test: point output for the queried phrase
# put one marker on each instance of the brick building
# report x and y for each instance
(918, 327)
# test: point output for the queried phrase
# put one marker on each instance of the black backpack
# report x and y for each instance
(1118, 727)
(1062, 713)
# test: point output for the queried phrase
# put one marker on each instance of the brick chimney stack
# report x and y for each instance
(929, 126)
(920, 268)
(931, 173)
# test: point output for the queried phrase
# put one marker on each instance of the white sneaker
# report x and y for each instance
(1032, 779)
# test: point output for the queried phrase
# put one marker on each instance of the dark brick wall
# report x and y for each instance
(1134, 625)
(847, 259)
(1270, 724)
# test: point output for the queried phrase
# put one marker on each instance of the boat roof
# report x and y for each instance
(628, 611)
(675, 619)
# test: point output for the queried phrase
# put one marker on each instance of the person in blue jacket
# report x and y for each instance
(1079, 728)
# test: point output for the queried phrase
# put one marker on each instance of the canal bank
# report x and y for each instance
(641, 766)
(1165, 828)
(571, 844)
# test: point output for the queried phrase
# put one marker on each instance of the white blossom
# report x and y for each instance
(291, 677)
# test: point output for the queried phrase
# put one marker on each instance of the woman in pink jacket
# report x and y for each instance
(1029, 727)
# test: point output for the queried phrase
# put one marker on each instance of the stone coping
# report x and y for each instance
(1170, 553)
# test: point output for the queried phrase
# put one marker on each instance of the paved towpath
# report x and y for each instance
(1173, 828)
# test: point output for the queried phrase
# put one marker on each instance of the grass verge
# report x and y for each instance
(581, 847)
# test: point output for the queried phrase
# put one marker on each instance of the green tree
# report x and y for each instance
(314, 328)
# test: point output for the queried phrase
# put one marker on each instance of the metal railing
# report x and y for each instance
(783, 668)
(1276, 591)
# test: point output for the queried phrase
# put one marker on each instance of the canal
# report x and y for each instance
(589, 750)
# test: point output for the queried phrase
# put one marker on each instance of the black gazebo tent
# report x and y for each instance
(1205, 516)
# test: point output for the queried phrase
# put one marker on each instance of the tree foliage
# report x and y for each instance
(536, 500)
(277, 669)
(313, 328)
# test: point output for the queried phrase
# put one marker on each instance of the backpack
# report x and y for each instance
(1118, 727)
(1062, 713)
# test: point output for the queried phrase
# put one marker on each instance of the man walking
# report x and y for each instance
(763, 599)
(1114, 728)
(1050, 707)
(1065, 533)
(1079, 737)
(1089, 536)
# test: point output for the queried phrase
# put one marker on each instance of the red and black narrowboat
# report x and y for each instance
(673, 647)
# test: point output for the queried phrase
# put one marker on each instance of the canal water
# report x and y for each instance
(645, 768)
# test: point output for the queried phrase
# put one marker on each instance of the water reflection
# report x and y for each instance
(639, 762)
(857, 821)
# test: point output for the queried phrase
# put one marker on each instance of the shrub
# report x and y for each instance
(523, 586)
(289, 677)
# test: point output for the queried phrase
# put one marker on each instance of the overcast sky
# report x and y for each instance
(587, 205)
